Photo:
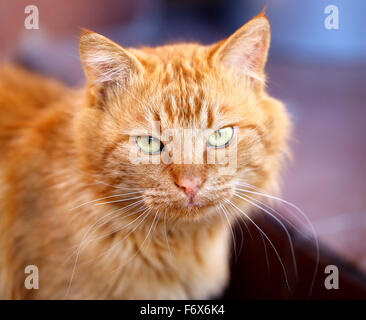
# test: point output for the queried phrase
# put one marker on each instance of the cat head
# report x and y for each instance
(182, 126)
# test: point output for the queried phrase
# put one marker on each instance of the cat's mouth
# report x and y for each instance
(181, 202)
(177, 204)
(183, 207)
(192, 203)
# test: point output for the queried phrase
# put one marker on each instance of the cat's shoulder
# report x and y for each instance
(24, 97)
(24, 93)
(22, 87)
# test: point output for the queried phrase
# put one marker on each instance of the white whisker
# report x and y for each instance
(166, 234)
(270, 242)
(120, 211)
(231, 229)
(117, 201)
(283, 227)
(81, 244)
(144, 215)
(279, 214)
(96, 200)
(307, 220)
(140, 246)
(266, 253)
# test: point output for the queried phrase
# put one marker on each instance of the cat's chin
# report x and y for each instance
(192, 204)
(192, 211)
(198, 202)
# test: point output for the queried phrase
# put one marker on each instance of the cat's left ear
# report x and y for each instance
(104, 61)
(247, 48)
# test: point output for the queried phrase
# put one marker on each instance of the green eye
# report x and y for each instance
(221, 137)
(149, 144)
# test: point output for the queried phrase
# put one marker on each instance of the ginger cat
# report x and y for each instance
(98, 224)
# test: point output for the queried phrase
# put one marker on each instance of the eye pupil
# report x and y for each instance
(221, 137)
(149, 144)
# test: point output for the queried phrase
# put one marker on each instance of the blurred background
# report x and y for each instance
(319, 73)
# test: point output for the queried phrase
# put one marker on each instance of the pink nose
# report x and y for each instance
(190, 185)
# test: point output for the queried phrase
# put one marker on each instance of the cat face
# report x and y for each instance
(178, 127)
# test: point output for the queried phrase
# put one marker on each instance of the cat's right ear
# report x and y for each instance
(105, 62)
(246, 50)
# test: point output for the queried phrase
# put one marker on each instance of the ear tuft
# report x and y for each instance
(247, 48)
(105, 61)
